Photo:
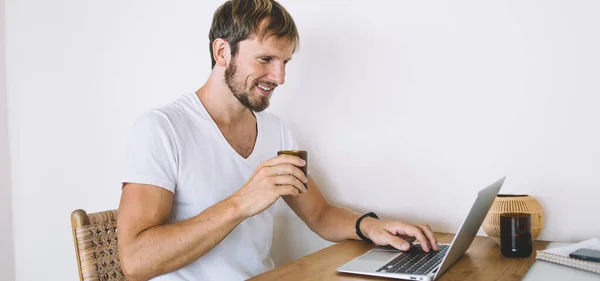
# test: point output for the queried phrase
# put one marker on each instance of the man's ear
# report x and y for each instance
(221, 52)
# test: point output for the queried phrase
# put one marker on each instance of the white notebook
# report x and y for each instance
(560, 255)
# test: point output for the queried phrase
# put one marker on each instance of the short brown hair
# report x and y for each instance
(238, 20)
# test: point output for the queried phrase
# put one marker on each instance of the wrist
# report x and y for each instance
(236, 204)
(363, 225)
(366, 225)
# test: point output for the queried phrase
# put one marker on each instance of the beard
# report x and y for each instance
(238, 88)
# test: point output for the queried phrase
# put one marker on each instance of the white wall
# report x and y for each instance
(416, 106)
(412, 105)
(7, 265)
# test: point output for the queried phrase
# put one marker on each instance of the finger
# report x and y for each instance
(287, 169)
(397, 242)
(285, 159)
(288, 190)
(429, 234)
(418, 233)
(290, 180)
(407, 238)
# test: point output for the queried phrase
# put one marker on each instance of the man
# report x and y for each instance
(201, 174)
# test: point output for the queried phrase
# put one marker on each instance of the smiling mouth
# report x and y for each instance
(264, 89)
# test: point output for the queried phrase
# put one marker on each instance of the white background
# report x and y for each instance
(7, 266)
(406, 108)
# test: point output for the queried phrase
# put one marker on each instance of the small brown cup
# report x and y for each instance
(515, 235)
(303, 154)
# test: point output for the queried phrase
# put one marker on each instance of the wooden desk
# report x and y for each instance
(482, 261)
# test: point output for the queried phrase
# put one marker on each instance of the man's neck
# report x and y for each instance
(223, 107)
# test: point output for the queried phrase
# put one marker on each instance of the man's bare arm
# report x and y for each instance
(332, 223)
(148, 247)
(335, 223)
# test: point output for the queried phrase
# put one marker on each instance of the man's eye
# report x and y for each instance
(265, 59)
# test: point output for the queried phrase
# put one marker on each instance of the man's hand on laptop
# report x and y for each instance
(384, 233)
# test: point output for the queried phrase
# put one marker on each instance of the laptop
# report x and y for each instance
(416, 264)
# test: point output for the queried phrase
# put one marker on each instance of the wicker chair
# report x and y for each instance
(95, 237)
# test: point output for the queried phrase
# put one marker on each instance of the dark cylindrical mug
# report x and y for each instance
(303, 154)
(515, 235)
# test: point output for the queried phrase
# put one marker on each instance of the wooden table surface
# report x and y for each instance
(482, 261)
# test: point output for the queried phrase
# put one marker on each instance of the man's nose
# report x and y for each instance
(278, 73)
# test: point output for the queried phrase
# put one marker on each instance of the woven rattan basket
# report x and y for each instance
(510, 203)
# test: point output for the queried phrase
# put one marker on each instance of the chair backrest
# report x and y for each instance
(95, 237)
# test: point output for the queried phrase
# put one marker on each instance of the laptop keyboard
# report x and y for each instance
(415, 261)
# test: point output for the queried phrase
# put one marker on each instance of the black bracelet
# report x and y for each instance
(358, 232)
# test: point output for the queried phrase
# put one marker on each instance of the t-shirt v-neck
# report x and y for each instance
(256, 147)
(180, 148)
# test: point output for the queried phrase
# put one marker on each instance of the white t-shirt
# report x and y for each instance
(180, 148)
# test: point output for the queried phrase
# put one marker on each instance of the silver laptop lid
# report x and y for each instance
(469, 228)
